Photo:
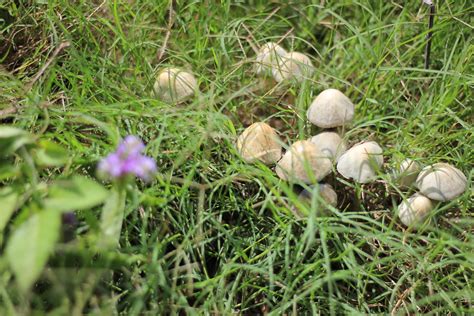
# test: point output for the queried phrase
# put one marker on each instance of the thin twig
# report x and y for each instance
(8, 111)
(268, 17)
(56, 52)
(285, 35)
(96, 9)
(430, 33)
(168, 31)
(247, 38)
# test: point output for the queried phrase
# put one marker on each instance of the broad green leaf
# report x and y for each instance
(30, 246)
(8, 201)
(75, 194)
(12, 138)
(50, 154)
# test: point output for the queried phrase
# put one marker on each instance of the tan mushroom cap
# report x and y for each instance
(407, 172)
(270, 55)
(175, 85)
(325, 192)
(361, 162)
(415, 209)
(330, 143)
(294, 65)
(303, 162)
(441, 182)
(259, 141)
(331, 108)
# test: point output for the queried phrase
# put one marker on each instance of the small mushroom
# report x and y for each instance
(175, 85)
(303, 162)
(268, 57)
(361, 162)
(414, 210)
(294, 65)
(407, 172)
(441, 182)
(325, 192)
(331, 108)
(259, 141)
(330, 143)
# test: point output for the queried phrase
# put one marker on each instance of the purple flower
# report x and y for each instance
(128, 160)
(130, 146)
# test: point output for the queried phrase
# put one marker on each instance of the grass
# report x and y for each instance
(212, 234)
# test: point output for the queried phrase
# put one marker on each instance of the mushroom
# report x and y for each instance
(269, 56)
(441, 182)
(303, 162)
(175, 85)
(414, 210)
(259, 141)
(331, 108)
(294, 65)
(324, 191)
(330, 143)
(407, 172)
(361, 162)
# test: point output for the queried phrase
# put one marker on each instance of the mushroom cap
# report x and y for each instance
(441, 182)
(330, 143)
(331, 108)
(303, 162)
(175, 85)
(407, 172)
(414, 210)
(325, 192)
(361, 162)
(294, 65)
(259, 141)
(270, 55)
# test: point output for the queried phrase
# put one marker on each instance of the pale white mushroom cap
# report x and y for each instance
(259, 141)
(330, 143)
(270, 55)
(361, 162)
(407, 172)
(415, 209)
(175, 85)
(303, 162)
(441, 182)
(294, 65)
(331, 108)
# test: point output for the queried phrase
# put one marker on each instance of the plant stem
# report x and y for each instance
(112, 218)
(429, 36)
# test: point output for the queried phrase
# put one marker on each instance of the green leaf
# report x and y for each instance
(31, 245)
(12, 138)
(75, 194)
(51, 154)
(8, 170)
(8, 201)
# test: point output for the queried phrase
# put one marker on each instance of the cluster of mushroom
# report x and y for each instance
(310, 161)
(272, 59)
(436, 183)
